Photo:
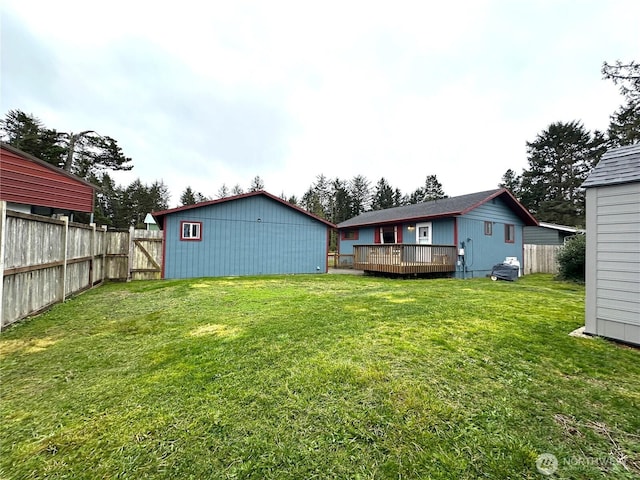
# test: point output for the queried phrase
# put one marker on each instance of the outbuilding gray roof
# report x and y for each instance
(617, 165)
(445, 207)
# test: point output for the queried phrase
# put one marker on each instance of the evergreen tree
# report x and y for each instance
(382, 195)
(108, 204)
(27, 133)
(312, 203)
(140, 199)
(360, 195)
(257, 184)
(416, 197)
(188, 197)
(223, 191)
(560, 158)
(86, 154)
(624, 128)
(342, 203)
(322, 189)
(158, 197)
(511, 181)
(433, 189)
(398, 198)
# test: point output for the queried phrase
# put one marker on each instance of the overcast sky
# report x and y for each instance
(204, 93)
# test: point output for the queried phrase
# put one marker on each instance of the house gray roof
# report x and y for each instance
(445, 207)
(617, 165)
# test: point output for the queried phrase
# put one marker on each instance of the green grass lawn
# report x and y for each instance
(324, 376)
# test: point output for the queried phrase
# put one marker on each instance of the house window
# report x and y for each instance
(388, 235)
(509, 233)
(488, 228)
(190, 230)
(350, 234)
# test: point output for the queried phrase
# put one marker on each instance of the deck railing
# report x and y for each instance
(405, 258)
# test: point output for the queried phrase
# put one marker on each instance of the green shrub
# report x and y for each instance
(571, 259)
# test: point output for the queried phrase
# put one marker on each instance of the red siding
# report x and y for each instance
(23, 180)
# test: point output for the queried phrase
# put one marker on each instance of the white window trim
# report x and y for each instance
(195, 231)
(424, 224)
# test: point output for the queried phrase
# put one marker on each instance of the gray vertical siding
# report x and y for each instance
(247, 236)
(613, 262)
(542, 236)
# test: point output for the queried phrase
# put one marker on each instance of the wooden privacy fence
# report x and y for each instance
(541, 258)
(45, 260)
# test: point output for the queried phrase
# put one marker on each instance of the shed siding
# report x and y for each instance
(613, 262)
(482, 251)
(247, 236)
(542, 236)
(27, 182)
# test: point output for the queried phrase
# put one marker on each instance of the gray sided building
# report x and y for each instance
(613, 246)
(549, 234)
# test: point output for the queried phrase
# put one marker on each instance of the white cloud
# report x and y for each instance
(208, 93)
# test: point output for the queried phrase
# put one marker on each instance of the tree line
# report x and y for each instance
(559, 160)
(561, 157)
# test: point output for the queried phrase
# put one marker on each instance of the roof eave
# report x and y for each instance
(519, 209)
(401, 220)
(159, 216)
(53, 168)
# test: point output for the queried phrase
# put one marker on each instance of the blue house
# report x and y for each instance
(251, 234)
(461, 236)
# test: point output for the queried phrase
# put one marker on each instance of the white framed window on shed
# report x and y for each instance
(191, 231)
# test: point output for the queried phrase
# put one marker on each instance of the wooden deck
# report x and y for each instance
(405, 259)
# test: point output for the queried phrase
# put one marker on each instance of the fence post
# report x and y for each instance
(3, 229)
(92, 248)
(131, 251)
(104, 253)
(65, 255)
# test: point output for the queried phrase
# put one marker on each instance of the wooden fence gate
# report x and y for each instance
(145, 258)
(134, 255)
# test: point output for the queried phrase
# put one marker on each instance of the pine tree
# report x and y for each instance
(624, 128)
(511, 181)
(560, 158)
(360, 195)
(433, 189)
(86, 154)
(341, 201)
(223, 191)
(188, 197)
(382, 195)
(257, 184)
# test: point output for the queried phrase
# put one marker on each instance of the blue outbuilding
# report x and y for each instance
(251, 234)
(462, 236)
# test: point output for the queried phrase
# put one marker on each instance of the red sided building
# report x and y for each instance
(30, 185)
